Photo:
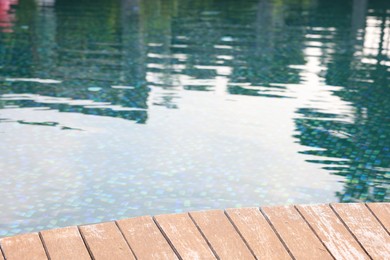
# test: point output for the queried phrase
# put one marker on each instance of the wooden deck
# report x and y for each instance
(336, 231)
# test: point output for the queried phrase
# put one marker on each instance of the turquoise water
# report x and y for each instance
(119, 108)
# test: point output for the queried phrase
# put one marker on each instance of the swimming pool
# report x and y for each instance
(119, 108)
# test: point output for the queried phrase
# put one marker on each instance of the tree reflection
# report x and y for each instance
(89, 53)
(357, 150)
(109, 54)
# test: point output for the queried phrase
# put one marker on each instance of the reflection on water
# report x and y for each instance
(360, 63)
(248, 67)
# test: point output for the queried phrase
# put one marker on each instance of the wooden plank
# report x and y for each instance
(257, 233)
(296, 233)
(65, 243)
(382, 212)
(105, 241)
(184, 236)
(145, 238)
(221, 235)
(23, 247)
(332, 232)
(342, 231)
(366, 228)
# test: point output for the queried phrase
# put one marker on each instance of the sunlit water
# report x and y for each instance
(112, 109)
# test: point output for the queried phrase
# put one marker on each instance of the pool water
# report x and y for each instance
(119, 108)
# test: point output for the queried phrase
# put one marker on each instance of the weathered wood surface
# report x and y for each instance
(105, 241)
(23, 247)
(296, 233)
(329, 228)
(145, 238)
(336, 231)
(184, 236)
(65, 243)
(257, 233)
(221, 235)
(382, 212)
(366, 228)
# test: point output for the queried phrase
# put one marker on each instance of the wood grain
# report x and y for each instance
(258, 234)
(184, 236)
(332, 232)
(23, 247)
(221, 235)
(366, 228)
(105, 241)
(342, 231)
(295, 232)
(382, 212)
(65, 243)
(146, 239)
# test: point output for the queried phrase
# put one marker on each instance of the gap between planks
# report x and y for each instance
(233, 233)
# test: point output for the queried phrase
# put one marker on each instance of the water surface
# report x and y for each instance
(120, 108)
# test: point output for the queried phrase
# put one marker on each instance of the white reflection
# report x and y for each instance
(38, 80)
(45, 2)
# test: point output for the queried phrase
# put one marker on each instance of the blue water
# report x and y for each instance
(119, 108)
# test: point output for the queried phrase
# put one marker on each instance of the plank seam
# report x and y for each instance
(315, 233)
(204, 236)
(377, 218)
(239, 233)
(276, 233)
(44, 245)
(2, 251)
(167, 238)
(349, 230)
(86, 243)
(124, 237)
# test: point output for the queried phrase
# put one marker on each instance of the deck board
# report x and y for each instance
(332, 232)
(23, 247)
(145, 238)
(184, 236)
(366, 228)
(297, 235)
(65, 243)
(382, 212)
(105, 241)
(339, 231)
(258, 234)
(221, 235)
